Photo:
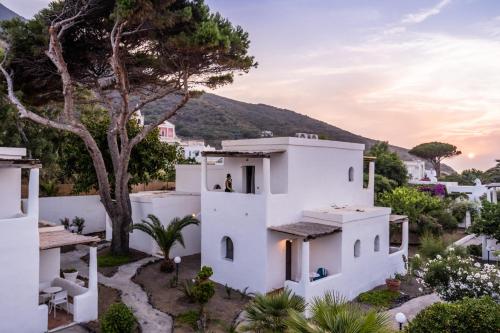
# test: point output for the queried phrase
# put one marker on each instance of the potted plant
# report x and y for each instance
(393, 283)
(70, 274)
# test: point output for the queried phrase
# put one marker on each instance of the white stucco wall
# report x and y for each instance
(166, 206)
(188, 177)
(50, 265)
(241, 217)
(10, 193)
(19, 276)
(52, 209)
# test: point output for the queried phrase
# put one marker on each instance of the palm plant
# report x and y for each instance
(334, 314)
(166, 237)
(268, 313)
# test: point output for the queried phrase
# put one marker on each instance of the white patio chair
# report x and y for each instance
(59, 299)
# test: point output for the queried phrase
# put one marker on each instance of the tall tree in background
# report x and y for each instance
(120, 55)
(435, 152)
(390, 171)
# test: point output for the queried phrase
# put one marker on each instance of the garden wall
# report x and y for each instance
(52, 209)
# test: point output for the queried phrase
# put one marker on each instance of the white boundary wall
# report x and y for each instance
(52, 209)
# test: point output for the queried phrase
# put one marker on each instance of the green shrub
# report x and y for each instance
(489, 221)
(445, 219)
(190, 318)
(466, 316)
(203, 291)
(187, 290)
(413, 203)
(79, 223)
(427, 224)
(118, 319)
(381, 297)
(205, 273)
(454, 277)
(431, 246)
(475, 250)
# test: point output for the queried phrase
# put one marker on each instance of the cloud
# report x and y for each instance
(425, 13)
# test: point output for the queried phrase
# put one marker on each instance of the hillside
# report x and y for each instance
(6, 13)
(215, 118)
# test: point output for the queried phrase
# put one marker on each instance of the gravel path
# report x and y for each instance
(413, 307)
(150, 319)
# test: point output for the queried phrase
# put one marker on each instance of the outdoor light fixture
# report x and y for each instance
(401, 319)
(177, 261)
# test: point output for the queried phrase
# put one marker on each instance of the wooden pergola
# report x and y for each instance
(54, 237)
(307, 230)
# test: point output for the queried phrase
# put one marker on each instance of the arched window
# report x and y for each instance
(227, 248)
(351, 174)
(357, 248)
(376, 243)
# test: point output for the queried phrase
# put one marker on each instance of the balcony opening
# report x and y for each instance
(249, 179)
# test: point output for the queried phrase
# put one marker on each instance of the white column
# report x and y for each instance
(33, 193)
(305, 263)
(467, 219)
(93, 268)
(404, 242)
(371, 175)
(203, 174)
(266, 176)
(494, 198)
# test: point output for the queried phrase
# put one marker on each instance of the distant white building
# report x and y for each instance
(30, 255)
(307, 136)
(194, 148)
(266, 134)
(138, 117)
(417, 171)
(297, 217)
(167, 133)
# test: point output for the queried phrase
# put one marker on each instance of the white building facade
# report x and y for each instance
(417, 171)
(298, 217)
(19, 253)
(30, 254)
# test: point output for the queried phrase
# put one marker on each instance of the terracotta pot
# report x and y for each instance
(393, 284)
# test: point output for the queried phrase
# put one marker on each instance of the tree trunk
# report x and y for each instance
(437, 167)
(120, 240)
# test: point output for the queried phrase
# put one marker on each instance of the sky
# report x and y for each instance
(403, 71)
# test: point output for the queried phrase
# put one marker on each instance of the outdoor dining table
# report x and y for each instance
(51, 291)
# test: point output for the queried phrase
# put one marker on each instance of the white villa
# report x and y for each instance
(30, 256)
(417, 171)
(298, 217)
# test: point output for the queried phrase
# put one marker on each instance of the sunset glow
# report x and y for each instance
(403, 71)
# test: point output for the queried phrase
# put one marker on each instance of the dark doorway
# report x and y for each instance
(288, 270)
(249, 178)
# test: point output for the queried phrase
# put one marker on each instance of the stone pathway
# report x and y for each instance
(150, 319)
(413, 307)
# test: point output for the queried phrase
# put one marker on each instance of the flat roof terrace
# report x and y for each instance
(282, 142)
(345, 214)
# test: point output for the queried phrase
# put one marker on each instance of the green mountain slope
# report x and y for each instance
(6, 13)
(215, 118)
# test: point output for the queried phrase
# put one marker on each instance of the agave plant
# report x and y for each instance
(166, 237)
(332, 313)
(268, 313)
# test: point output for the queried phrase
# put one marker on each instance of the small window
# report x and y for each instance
(351, 174)
(357, 248)
(227, 248)
(376, 243)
